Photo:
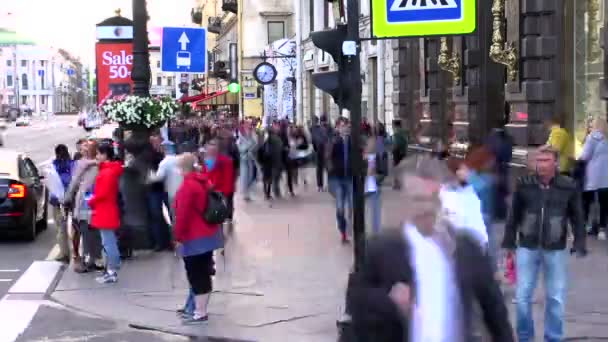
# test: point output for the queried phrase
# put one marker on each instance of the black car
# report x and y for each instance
(23, 196)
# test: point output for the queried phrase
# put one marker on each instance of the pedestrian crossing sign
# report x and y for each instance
(420, 18)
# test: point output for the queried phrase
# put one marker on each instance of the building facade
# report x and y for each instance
(161, 83)
(41, 79)
(253, 30)
(526, 63)
(377, 72)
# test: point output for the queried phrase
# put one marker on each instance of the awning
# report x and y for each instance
(220, 98)
(193, 98)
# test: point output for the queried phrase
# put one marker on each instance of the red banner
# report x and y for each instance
(114, 64)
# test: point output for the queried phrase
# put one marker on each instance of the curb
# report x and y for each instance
(190, 336)
(145, 327)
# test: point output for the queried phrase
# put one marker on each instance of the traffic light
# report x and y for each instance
(234, 86)
(220, 69)
(333, 82)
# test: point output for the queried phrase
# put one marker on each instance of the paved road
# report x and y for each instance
(38, 141)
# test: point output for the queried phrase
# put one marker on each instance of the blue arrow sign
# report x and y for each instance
(70, 72)
(184, 50)
(40, 73)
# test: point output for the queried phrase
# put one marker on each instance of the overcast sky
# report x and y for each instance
(70, 24)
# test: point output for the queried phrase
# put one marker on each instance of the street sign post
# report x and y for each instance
(420, 18)
(184, 50)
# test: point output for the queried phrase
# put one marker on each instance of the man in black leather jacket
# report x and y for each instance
(543, 205)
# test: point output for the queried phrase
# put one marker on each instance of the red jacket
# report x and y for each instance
(222, 175)
(104, 203)
(190, 203)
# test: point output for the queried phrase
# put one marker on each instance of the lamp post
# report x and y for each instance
(141, 56)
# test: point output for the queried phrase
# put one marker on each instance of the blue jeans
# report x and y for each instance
(373, 202)
(110, 247)
(342, 189)
(554, 265)
(190, 304)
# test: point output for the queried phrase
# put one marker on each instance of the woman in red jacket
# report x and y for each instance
(195, 239)
(105, 212)
(219, 168)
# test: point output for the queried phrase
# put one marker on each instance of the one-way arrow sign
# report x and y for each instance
(183, 40)
(184, 50)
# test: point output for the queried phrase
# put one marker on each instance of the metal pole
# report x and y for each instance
(353, 69)
(141, 56)
(299, 105)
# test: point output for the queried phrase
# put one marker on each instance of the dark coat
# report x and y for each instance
(377, 319)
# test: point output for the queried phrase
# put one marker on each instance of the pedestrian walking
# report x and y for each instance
(247, 145)
(536, 231)
(400, 144)
(595, 156)
(195, 239)
(561, 141)
(156, 196)
(376, 170)
(271, 159)
(340, 175)
(420, 283)
(169, 175)
(64, 167)
(105, 209)
(80, 187)
(219, 170)
(321, 134)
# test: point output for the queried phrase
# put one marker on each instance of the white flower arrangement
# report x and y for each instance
(135, 110)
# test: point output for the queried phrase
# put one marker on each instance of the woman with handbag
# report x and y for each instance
(195, 238)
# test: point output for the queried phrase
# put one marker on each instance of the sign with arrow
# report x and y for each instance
(184, 50)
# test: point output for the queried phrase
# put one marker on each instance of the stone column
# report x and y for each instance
(537, 86)
(433, 93)
(478, 95)
(406, 78)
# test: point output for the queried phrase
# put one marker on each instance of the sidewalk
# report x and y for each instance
(282, 278)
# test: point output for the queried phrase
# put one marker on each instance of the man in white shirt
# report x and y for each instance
(419, 283)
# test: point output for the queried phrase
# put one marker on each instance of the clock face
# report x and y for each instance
(265, 73)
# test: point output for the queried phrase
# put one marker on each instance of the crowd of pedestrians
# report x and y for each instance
(447, 254)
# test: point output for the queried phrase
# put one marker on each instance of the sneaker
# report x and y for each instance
(109, 277)
(195, 319)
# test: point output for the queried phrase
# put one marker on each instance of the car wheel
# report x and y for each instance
(30, 230)
(43, 223)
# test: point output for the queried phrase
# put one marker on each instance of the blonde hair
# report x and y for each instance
(186, 162)
(600, 124)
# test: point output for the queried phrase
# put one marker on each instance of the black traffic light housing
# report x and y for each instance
(333, 82)
(331, 41)
(220, 69)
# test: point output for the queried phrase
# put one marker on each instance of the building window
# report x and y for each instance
(276, 31)
(159, 81)
(9, 62)
(42, 100)
(23, 63)
(9, 80)
(158, 64)
(24, 84)
(42, 63)
(23, 100)
(169, 81)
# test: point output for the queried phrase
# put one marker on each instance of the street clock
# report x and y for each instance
(265, 73)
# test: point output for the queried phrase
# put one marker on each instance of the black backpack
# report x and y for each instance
(217, 210)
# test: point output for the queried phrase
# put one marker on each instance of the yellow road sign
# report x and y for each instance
(419, 18)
